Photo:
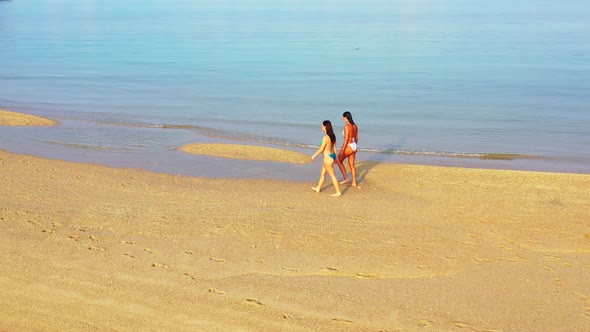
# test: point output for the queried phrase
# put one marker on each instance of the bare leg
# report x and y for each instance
(341, 158)
(352, 168)
(329, 167)
(322, 179)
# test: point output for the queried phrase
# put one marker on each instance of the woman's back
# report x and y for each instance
(352, 133)
(329, 148)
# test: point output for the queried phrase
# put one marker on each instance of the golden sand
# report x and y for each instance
(87, 247)
(8, 118)
(248, 152)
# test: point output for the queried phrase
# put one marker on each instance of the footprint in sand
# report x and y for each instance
(253, 300)
(130, 255)
(96, 248)
(365, 275)
(77, 237)
(189, 252)
(424, 323)
(151, 251)
(482, 260)
(216, 291)
(472, 327)
(507, 248)
(190, 275)
(126, 242)
(342, 320)
(582, 297)
(216, 259)
(508, 259)
(288, 268)
(331, 268)
(160, 265)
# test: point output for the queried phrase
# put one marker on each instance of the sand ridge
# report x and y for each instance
(247, 152)
(9, 118)
(418, 247)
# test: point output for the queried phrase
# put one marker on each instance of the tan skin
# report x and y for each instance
(328, 166)
(350, 132)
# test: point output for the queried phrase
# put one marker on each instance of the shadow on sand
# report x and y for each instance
(364, 167)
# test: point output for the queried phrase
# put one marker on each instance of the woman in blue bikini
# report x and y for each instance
(349, 147)
(328, 148)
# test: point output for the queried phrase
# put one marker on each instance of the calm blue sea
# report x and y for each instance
(428, 81)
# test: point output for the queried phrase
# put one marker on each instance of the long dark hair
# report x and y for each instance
(329, 131)
(348, 116)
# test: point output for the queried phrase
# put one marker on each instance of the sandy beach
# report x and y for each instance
(10, 118)
(94, 248)
(247, 152)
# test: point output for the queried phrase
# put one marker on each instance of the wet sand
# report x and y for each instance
(87, 247)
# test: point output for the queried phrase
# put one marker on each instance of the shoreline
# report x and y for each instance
(254, 158)
(416, 246)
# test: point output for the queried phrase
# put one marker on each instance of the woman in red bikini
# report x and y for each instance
(349, 147)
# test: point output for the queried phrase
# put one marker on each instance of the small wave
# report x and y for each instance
(216, 133)
(240, 136)
(189, 127)
(470, 155)
(84, 146)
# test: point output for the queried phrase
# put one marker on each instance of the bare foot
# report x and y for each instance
(316, 189)
(343, 182)
(336, 194)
